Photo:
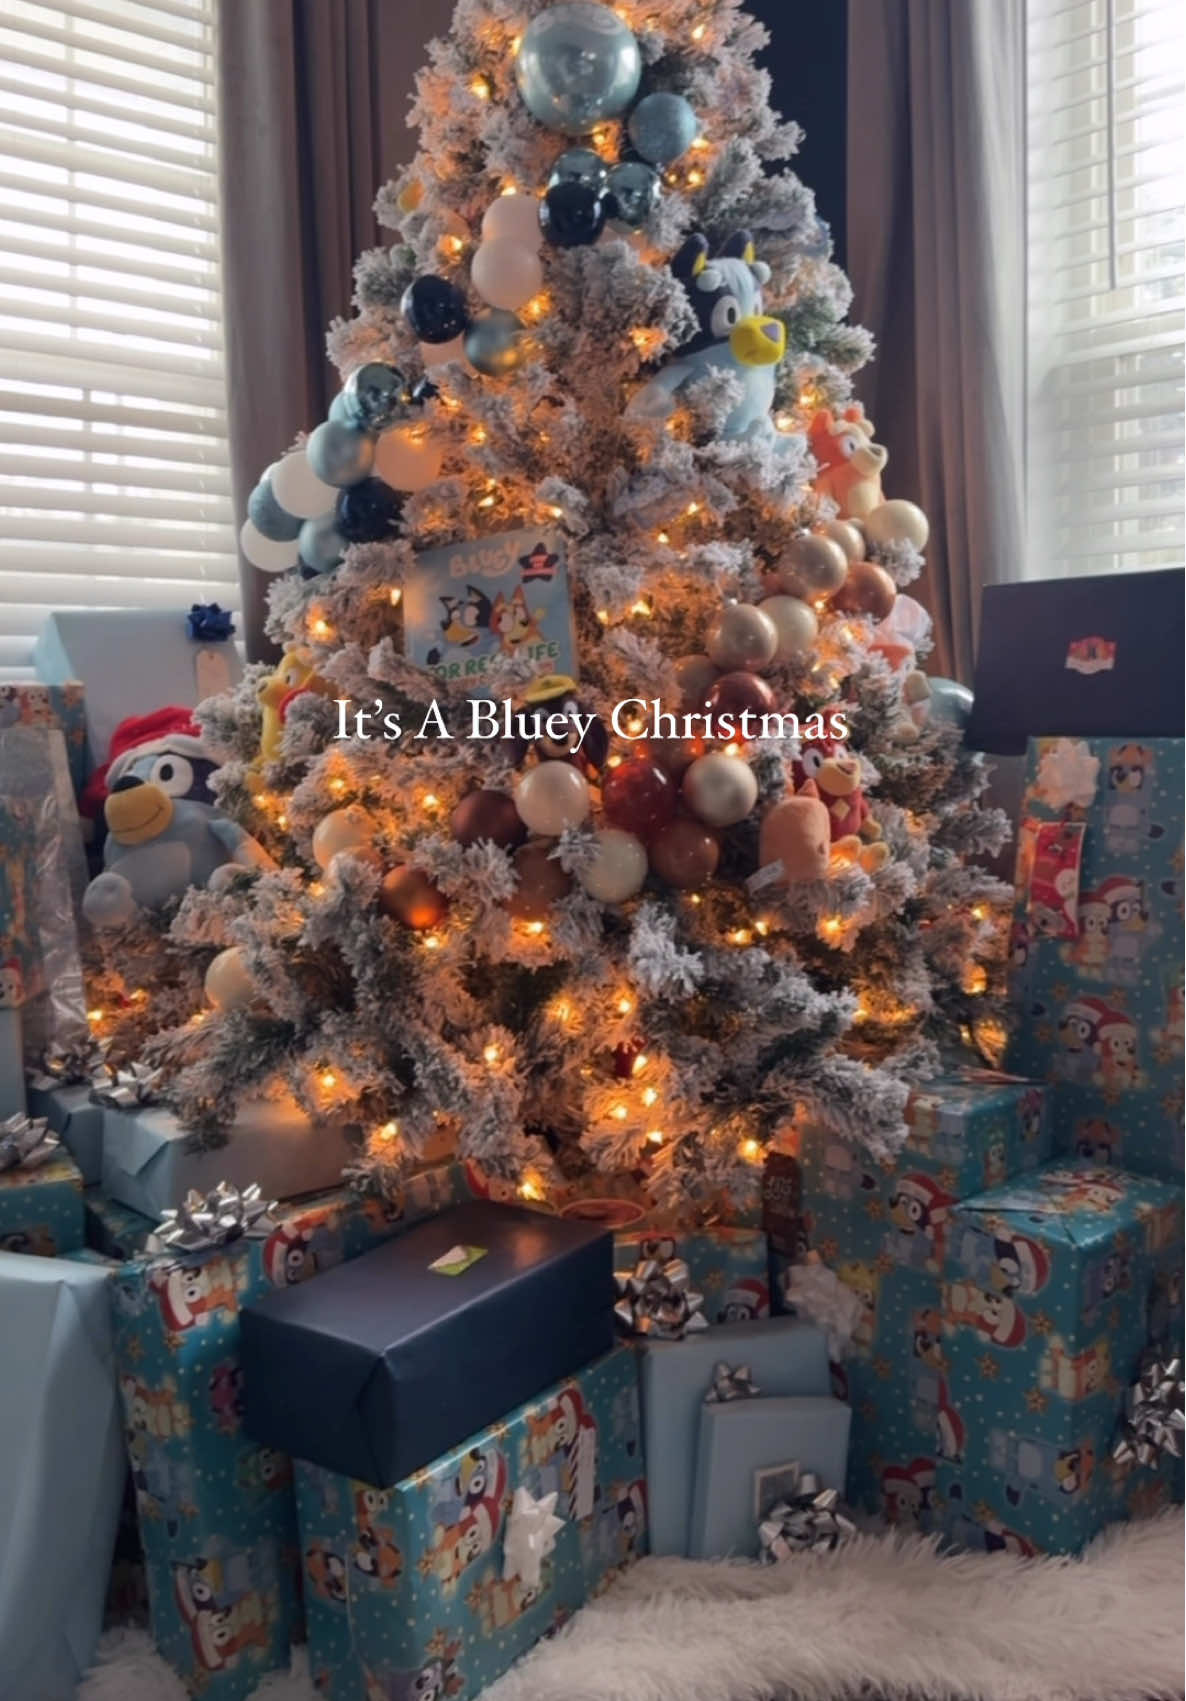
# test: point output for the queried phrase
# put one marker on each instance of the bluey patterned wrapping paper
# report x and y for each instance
(114, 1229)
(404, 1588)
(729, 1266)
(1100, 1016)
(217, 1514)
(30, 703)
(1054, 1285)
(41, 1209)
(881, 1227)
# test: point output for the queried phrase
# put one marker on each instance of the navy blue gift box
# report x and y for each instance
(383, 1364)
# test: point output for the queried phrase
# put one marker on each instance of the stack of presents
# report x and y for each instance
(419, 1434)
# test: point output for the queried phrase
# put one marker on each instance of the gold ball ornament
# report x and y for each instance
(741, 637)
(811, 566)
(228, 985)
(349, 829)
(847, 534)
(618, 869)
(897, 522)
(720, 789)
(796, 624)
(552, 797)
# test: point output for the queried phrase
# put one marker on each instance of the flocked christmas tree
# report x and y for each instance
(594, 448)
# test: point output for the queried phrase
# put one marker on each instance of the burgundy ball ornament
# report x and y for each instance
(552, 797)
(541, 881)
(720, 789)
(618, 868)
(638, 796)
(738, 693)
(868, 589)
(684, 854)
(741, 636)
(410, 896)
(674, 755)
(695, 676)
(812, 566)
(488, 814)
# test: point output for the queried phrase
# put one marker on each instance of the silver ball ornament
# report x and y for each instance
(634, 192)
(580, 165)
(267, 516)
(662, 127)
(577, 64)
(340, 454)
(494, 343)
(321, 544)
(950, 702)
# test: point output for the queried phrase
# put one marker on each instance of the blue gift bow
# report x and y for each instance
(207, 623)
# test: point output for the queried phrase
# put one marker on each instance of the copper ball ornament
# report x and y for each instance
(409, 896)
(868, 589)
(638, 796)
(684, 854)
(738, 693)
(541, 881)
(488, 814)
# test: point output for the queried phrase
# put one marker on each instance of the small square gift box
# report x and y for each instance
(1056, 1287)
(40, 1190)
(779, 1357)
(62, 1471)
(432, 1587)
(375, 1368)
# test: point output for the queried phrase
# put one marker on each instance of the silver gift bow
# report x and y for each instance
(124, 1089)
(659, 1300)
(83, 1059)
(808, 1521)
(730, 1384)
(1153, 1423)
(203, 1222)
(26, 1142)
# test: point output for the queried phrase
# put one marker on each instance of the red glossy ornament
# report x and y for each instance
(735, 693)
(488, 815)
(638, 796)
(541, 881)
(410, 896)
(684, 854)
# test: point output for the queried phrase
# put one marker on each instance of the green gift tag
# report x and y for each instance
(457, 1260)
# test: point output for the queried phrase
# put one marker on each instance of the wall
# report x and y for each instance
(807, 59)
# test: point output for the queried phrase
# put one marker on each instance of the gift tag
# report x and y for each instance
(1056, 861)
(212, 672)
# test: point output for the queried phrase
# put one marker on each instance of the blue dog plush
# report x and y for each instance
(735, 335)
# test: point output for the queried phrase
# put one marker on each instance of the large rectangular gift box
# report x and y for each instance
(74, 1117)
(406, 1589)
(216, 1511)
(375, 1369)
(61, 1472)
(1097, 970)
(41, 1209)
(882, 1228)
(1055, 1285)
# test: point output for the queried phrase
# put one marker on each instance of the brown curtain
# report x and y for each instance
(313, 98)
(936, 198)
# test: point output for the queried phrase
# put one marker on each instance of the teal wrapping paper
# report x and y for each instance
(63, 705)
(41, 1209)
(404, 1587)
(1100, 1015)
(113, 1229)
(62, 1471)
(729, 1266)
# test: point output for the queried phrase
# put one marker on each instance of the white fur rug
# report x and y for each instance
(884, 1616)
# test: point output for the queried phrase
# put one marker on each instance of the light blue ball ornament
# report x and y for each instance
(339, 411)
(340, 454)
(662, 127)
(268, 517)
(951, 703)
(321, 544)
(494, 343)
(634, 192)
(577, 64)
(580, 165)
(375, 396)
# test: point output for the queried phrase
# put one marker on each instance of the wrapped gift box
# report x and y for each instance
(358, 1372)
(882, 1229)
(61, 1472)
(41, 1209)
(113, 1229)
(1054, 1286)
(729, 1266)
(783, 1355)
(745, 1448)
(404, 1587)
(63, 705)
(75, 1118)
(149, 1164)
(13, 1101)
(132, 662)
(1100, 1013)
(216, 1511)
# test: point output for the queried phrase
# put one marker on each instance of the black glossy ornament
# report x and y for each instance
(369, 511)
(572, 215)
(435, 309)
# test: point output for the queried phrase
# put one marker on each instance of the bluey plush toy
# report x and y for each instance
(735, 335)
(163, 832)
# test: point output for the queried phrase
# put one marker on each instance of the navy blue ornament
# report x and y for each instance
(662, 127)
(375, 396)
(340, 454)
(580, 165)
(634, 192)
(435, 309)
(571, 215)
(494, 343)
(268, 517)
(423, 390)
(321, 543)
(368, 512)
(577, 64)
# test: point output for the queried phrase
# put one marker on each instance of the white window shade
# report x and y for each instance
(114, 469)
(1105, 284)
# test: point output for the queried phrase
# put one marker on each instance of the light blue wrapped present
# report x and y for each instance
(783, 1355)
(148, 1164)
(62, 1471)
(75, 1118)
(745, 1458)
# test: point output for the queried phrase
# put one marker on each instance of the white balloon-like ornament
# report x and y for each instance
(298, 489)
(264, 553)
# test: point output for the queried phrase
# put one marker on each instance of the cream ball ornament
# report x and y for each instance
(408, 458)
(741, 636)
(552, 797)
(298, 489)
(506, 273)
(847, 535)
(513, 218)
(350, 829)
(720, 789)
(618, 868)
(228, 985)
(897, 521)
(796, 624)
(811, 566)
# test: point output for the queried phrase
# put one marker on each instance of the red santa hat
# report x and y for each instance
(750, 1294)
(1009, 1328)
(170, 1287)
(927, 1191)
(279, 1244)
(1033, 1264)
(168, 731)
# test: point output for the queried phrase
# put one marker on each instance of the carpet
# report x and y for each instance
(885, 1616)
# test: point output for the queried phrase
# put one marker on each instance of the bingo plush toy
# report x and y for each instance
(735, 335)
(837, 777)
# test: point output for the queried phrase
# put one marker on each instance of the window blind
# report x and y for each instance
(114, 469)
(1105, 228)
